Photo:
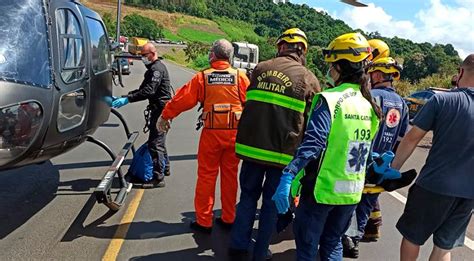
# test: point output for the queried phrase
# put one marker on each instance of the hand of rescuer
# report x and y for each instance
(380, 170)
(282, 193)
(119, 102)
(163, 125)
(109, 100)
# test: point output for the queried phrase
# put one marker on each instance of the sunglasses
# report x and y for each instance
(145, 54)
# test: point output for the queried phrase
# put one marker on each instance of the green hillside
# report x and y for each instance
(260, 21)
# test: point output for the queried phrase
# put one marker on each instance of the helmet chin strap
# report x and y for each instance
(387, 79)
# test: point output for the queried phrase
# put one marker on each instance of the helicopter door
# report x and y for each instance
(71, 78)
(100, 73)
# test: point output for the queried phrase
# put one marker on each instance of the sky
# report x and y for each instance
(433, 21)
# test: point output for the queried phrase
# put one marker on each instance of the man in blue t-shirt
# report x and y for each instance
(441, 201)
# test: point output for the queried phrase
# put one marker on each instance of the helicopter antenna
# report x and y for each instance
(119, 14)
(119, 66)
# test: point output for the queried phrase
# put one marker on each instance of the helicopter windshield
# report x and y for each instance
(24, 55)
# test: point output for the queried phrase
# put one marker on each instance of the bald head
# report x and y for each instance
(150, 48)
(221, 50)
(468, 63)
(466, 75)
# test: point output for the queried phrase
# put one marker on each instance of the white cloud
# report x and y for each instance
(440, 23)
(373, 18)
(320, 9)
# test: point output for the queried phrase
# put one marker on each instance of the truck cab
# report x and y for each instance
(245, 56)
(136, 45)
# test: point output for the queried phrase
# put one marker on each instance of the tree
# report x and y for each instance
(195, 49)
(415, 68)
(140, 26)
(110, 24)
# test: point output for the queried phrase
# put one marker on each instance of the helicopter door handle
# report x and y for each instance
(77, 94)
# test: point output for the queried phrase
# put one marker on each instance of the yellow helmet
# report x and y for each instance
(352, 47)
(386, 65)
(293, 35)
(379, 49)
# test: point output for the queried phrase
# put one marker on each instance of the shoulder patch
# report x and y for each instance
(221, 78)
(156, 76)
(393, 118)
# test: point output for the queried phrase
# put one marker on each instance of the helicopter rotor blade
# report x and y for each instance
(354, 3)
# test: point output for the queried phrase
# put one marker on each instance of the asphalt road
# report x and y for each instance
(47, 212)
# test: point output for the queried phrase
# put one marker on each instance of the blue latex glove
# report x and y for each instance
(117, 103)
(109, 100)
(282, 193)
(382, 167)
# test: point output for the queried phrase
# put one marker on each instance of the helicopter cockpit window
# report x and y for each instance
(72, 46)
(99, 44)
(72, 110)
(24, 53)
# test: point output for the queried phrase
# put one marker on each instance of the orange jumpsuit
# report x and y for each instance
(221, 91)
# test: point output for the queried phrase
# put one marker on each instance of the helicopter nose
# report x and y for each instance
(19, 125)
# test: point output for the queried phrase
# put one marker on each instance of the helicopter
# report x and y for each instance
(56, 83)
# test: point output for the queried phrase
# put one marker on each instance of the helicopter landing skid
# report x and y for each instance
(103, 191)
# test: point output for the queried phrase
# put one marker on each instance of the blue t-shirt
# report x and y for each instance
(449, 168)
(395, 123)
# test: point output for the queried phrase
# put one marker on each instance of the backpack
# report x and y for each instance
(142, 164)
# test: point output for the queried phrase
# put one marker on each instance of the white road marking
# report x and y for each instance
(467, 241)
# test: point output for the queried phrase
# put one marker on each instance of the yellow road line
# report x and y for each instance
(114, 247)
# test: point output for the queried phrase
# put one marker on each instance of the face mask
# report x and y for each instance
(329, 80)
(371, 81)
(146, 61)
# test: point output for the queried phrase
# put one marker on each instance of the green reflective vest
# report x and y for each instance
(341, 175)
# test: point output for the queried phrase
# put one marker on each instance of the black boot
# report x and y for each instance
(195, 225)
(350, 247)
(224, 225)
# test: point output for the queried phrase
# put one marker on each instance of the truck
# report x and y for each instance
(245, 56)
(136, 44)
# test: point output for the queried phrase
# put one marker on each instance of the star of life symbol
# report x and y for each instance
(357, 154)
(393, 118)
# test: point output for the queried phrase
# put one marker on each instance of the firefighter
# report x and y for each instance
(271, 127)
(371, 233)
(221, 92)
(379, 49)
(333, 153)
(383, 72)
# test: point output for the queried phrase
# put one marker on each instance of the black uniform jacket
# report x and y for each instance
(155, 87)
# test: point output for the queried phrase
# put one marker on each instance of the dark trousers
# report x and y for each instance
(320, 225)
(157, 147)
(364, 210)
(255, 180)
